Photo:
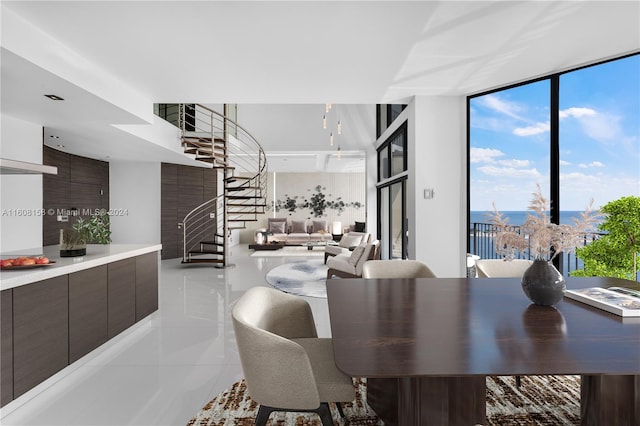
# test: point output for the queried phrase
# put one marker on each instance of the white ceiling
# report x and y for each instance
(281, 61)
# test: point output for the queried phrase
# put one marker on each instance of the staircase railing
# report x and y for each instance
(216, 139)
(200, 227)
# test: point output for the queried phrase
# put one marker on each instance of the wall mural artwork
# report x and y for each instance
(317, 203)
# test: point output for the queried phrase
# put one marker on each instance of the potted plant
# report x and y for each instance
(615, 253)
(541, 240)
(74, 240)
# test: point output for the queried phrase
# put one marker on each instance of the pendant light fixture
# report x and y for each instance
(327, 118)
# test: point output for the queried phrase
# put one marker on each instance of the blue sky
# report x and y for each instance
(599, 139)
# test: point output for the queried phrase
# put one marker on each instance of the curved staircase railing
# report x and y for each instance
(242, 164)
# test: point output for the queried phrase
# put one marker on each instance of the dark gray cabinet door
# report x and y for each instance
(146, 284)
(6, 346)
(87, 311)
(122, 296)
(40, 332)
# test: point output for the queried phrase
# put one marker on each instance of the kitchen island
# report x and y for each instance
(53, 315)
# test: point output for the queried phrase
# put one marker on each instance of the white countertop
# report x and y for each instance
(97, 255)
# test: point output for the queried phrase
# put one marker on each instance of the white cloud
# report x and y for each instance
(509, 172)
(484, 155)
(576, 112)
(564, 163)
(514, 163)
(602, 127)
(505, 107)
(532, 130)
(577, 179)
(591, 165)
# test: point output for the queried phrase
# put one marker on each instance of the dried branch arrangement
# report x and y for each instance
(537, 236)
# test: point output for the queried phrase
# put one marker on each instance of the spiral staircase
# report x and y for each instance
(241, 182)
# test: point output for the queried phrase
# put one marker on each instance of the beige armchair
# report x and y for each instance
(349, 240)
(396, 268)
(498, 268)
(350, 265)
(286, 366)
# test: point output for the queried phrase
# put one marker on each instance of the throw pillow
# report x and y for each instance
(277, 227)
(356, 255)
(359, 226)
(320, 225)
(299, 226)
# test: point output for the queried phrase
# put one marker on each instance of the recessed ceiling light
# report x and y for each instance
(54, 136)
(54, 97)
(60, 146)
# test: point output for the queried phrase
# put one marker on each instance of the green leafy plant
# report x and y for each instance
(96, 229)
(614, 254)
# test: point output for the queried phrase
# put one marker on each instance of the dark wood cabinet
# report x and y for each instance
(121, 302)
(6, 346)
(87, 311)
(146, 285)
(169, 234)
(50, 324)
(40, 332)
(183, 188)
(81, 182)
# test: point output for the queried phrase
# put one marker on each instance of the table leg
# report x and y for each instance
(610, 400)
(426, 401)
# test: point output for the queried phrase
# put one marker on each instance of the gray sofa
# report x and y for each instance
(298, 232)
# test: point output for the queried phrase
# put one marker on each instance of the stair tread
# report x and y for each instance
(193, 252)
(204, 138)
(211, 243)
(242, 188)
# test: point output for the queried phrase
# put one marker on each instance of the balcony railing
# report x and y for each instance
(481, 239)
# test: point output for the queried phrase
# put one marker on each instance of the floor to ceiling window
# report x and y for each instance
(392, 211)
(576, 134)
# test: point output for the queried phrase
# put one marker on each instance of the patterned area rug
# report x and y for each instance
(539, 401)
(306, 278)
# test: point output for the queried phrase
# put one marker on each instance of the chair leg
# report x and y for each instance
(325, 414)
(263, 415)
(339, 407)
(517, 381)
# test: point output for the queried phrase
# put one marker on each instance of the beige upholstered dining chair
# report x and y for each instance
(396, 268)
(349, 265)
(498, 268)
(286, 366)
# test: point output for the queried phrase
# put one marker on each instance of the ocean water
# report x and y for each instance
(518, 217)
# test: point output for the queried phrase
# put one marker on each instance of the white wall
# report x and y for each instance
(349, 187)
(134, 189)
(20, 195)
(437, 160)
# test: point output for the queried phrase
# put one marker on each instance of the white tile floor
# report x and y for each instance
(165, 369)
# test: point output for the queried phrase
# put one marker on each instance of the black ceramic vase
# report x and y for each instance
(543, 284)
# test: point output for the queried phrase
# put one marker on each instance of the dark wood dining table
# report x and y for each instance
(426, 346)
